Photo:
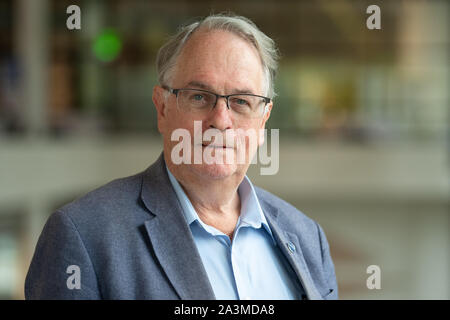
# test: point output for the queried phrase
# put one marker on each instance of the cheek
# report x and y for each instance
(258, 129)
(250, 137)
(175, 120)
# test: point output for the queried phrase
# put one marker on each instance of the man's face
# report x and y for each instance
(223, 63)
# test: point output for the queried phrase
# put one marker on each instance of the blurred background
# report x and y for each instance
(363, 118)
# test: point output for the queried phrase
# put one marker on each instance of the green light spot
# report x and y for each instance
(107, 46)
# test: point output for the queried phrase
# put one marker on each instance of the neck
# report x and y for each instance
(215, 195)
(209, 196)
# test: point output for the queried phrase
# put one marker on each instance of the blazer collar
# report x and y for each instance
(284, 237)
(171, 237)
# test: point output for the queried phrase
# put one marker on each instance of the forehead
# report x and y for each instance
(220, 59)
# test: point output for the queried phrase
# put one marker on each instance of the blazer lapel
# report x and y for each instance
(171, 237)
(296, 258)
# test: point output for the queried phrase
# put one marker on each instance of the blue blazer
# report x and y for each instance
(130, 241)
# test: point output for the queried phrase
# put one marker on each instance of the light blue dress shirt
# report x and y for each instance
(249, 267)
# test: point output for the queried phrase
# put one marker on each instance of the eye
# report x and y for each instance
(240, 102)
(197, 97)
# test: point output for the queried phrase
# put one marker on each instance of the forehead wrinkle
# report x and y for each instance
(218, 58)
(204, 86)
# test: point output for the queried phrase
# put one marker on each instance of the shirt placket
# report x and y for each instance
(239, 268)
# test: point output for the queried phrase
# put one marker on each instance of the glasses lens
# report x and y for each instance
(195, 100)
(247, 105)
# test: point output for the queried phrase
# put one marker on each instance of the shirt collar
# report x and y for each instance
(188, 210)
(251, 212)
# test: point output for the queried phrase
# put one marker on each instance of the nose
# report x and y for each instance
(220, 116)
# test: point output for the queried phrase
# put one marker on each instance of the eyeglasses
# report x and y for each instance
(244, 105)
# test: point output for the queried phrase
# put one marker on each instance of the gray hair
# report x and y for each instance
(241, 26)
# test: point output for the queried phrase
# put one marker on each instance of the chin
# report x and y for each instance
(215, 171)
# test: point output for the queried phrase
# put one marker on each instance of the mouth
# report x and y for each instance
(210, 145)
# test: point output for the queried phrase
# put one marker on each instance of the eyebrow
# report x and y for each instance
(205, 86)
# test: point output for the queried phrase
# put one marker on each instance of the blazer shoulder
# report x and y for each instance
(115, 197)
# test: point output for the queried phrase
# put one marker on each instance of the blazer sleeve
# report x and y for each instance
(328, 266)
(59, 261)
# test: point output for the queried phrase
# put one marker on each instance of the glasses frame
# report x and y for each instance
(226, 97)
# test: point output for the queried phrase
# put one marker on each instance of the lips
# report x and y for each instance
(211, 145)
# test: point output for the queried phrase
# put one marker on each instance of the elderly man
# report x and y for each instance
(191, 229)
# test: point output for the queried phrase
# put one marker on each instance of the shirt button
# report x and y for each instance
(291, 247)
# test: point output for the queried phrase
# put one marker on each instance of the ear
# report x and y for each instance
(267, 110)
(159, 101)
(266, 116)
